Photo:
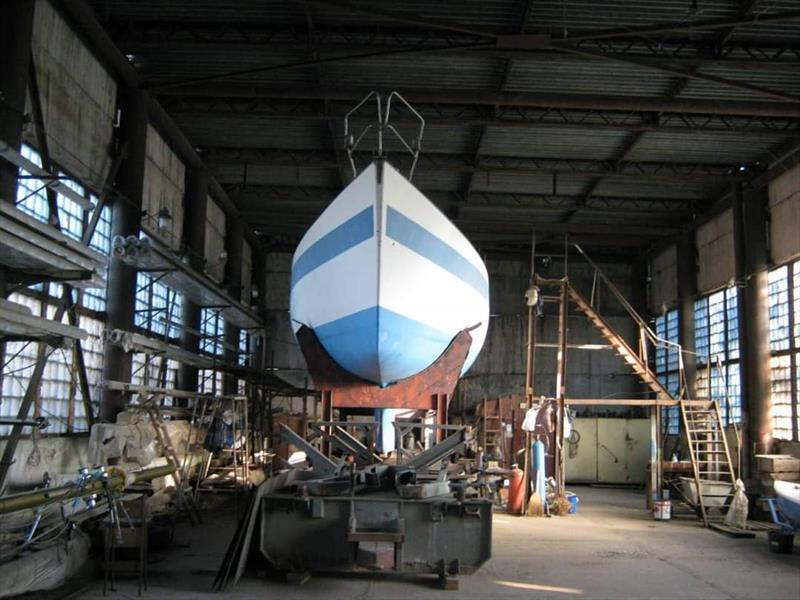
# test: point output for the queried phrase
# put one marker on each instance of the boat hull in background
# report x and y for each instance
(789, 500)
(386, 281)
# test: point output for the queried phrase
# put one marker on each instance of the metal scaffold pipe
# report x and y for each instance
(117, 479)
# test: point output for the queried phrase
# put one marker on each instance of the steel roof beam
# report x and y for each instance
(503, 99)
(157, 36)
(510, 117)
(262, 197)
(321, 159)
(686, 25)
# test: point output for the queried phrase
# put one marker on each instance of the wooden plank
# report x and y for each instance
(631, 402)
(731, 531)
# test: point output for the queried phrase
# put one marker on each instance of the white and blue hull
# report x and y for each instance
(386, 281)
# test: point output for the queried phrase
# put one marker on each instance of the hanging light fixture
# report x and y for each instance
(164, 219)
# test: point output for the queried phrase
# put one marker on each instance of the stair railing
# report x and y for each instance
(646, 334)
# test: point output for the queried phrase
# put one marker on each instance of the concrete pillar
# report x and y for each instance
(16, 29)
(234, 244)
(194, 237)
(126, 220)
(752, 260)
(639, 286)
(687, 290)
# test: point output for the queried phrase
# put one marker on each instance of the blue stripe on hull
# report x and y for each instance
(380, 345)
(415, 237)
(350, 233)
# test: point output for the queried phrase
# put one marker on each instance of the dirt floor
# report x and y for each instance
(611, 549)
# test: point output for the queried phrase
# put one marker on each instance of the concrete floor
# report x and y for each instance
(611, 549)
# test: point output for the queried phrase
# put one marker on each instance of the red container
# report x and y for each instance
(516, 491)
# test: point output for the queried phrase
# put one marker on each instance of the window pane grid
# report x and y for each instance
(158, 307)
(778, 293)
(212, 328)
(31, 193)
(717, 341)
(70, 213)
(666, 367)
(784, 334)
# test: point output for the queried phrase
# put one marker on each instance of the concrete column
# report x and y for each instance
(234, 244)
(16, 29)
(259, 280)
(687, 290)
(639, 286)
(752, 259)
(194, 236)
(126, 220)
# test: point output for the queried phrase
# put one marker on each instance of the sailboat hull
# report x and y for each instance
(386, 281)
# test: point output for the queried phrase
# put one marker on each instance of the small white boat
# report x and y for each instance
(386, 281)
(789, 500)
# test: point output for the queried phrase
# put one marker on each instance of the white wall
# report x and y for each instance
(715, 250)
(784, 206)
(664, 279)
(215, 241)
(164, 183)
(56, 455)
(78, 99)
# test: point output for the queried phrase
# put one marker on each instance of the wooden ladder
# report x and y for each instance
(620, 346)
(711, 459)
(490, 430)
(186, 501)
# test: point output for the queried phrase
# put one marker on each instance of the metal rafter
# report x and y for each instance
(631, 141)
(329, 130)
(510, 117)
(316, 159)
(298, 198)
(158, 36)
(680, 71)
(508, 66)
(486, 98)
(684, 25)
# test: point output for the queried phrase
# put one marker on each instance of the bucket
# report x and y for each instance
(780, 542)
(573, 503)
(662, 510)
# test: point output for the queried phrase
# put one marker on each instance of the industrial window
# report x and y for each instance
(59, 397)
(212, 329)
(784, 341)
(667, 362)
(32, 191)
(151, 370)
(158, 307)
(209, 381)
(73, 219)
(716, 322)
(245, 353)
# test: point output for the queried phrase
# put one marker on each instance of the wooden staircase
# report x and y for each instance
(622, 348)
(714, 477)
(711, 461)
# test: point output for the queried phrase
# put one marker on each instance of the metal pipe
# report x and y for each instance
(116, 480)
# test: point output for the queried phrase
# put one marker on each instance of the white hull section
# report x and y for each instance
(386, 280)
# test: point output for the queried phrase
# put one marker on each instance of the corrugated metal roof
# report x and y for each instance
(649, 188)
(252, 132)
(575, 15)
(200, 11)
(204, 38)
(707, 147)
(529, 183)
(574, 75)
(545, 143)
(417, 71)
(278, 176)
